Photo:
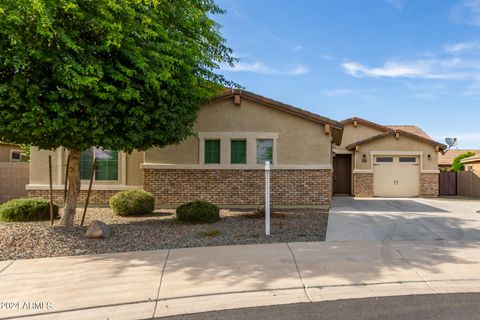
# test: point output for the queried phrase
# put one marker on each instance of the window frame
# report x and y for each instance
(119, 168)
(205, 151)
(377, 158)
(256, 147)
(20, 152)
(245, 156)
(407, 158)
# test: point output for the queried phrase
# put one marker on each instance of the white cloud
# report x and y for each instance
(462, 46)
(262, 68)
(337, 92)
(467, 12)
(326, 57)
(396, 4)
(256, 67)
(298, 70)
(448, 69)
(298, 48)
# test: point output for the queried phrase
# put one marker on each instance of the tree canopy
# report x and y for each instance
(457, 164)
(120, 74)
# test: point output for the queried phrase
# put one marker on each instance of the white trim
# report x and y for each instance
(235, 167)
(83, 187)
(124, 167)
(398, 153)
(226, 137)
(371, 171)
(342, 151)
(362, 171)
(429, 171)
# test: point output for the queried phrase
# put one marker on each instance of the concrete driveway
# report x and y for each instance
(383, 219)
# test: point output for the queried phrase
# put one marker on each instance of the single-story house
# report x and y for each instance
(312, 158)
(10, 152)
(385, 161)
(472, 163)
(469, 180)
(223, 162)
(445, 159)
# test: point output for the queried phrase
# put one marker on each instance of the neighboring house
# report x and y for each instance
(222, 163)
(472, 163)
(385, 161)
(469, 180)
(13, 172)
(10, 152)
(445, 159)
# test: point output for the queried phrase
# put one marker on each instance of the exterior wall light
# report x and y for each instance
(364, 158)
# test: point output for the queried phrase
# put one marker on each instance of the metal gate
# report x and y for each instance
(448, 184)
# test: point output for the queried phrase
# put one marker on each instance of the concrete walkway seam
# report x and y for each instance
(299, 274)
(415, 269)
(160, 284)
(8, 265)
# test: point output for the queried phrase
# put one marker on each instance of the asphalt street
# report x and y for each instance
(463, 306)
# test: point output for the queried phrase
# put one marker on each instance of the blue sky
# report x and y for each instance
(389, 61)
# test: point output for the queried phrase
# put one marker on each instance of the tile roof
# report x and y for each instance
(475, 158)
(412, 129)
(447, 158)
(400, 132)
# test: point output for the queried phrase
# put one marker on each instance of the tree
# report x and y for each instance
(457, 164)
(118, 74)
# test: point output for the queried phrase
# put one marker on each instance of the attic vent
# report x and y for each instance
(237, 100)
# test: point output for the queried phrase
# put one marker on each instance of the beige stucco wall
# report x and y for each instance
(300, 141)
(473, 166)
(5, 152)
(404, 144)
(353, 134)
(39, 168)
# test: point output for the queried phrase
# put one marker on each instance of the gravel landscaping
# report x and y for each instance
(23, 240)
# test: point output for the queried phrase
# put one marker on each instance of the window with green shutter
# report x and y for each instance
(107, 164)
(238, 151)
(86, 163)
(212, 151)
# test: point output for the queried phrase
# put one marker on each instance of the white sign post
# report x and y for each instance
(267, 198)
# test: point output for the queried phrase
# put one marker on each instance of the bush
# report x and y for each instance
(198, 211)
(457, 164)
(132, 203)
(27, 210)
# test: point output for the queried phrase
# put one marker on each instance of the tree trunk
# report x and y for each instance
(73, 189)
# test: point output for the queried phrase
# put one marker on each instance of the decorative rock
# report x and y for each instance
(98, 230)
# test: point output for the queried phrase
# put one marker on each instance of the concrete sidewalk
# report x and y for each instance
(140, 285)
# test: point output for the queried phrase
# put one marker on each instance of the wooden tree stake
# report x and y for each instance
(66, 180)
(51, 191)
(89, 190)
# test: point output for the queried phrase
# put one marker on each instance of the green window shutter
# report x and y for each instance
(107, 165)
(212, 151)
(238, 151)
(86, 163)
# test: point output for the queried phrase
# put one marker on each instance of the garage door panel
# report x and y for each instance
(396, 177)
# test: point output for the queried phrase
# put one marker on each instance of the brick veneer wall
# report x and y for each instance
(238, 187)
(98, 197)
(429, 184)
(363, 184)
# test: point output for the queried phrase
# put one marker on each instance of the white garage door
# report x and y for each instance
(396, 176)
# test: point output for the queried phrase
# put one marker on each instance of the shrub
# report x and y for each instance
(198, 211)
(457, 164)
(27, 210)
(132, 203)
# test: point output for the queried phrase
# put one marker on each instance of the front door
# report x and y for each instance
(342, 174)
